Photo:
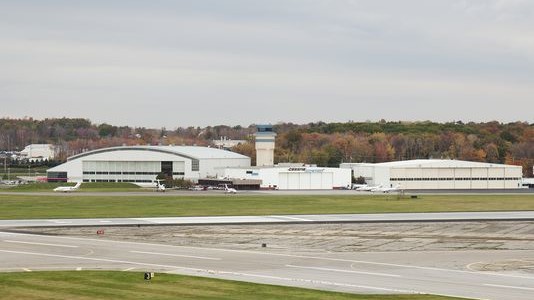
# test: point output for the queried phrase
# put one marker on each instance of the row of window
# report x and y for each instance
(456, 179)
(111, 180)
(127, 173)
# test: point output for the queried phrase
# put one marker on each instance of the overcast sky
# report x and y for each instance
(198, 63)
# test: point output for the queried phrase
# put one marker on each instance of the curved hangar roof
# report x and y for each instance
(192, 152)
(441, 163)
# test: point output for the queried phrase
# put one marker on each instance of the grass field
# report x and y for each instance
(87, 187)
(78, 285)
(77, 205)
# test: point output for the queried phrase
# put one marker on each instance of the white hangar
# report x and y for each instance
(141, 164)
(294, 177)
(438, 174)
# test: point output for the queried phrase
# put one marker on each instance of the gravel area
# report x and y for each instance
(369, 237)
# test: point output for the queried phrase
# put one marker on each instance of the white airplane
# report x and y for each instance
(367, 188)
(389, 189)
(67, 189)
(160, 187)
(228, 190)
(356, 186)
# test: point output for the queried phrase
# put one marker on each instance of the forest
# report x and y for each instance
(323, 144)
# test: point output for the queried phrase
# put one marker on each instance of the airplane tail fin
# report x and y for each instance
(78, 184)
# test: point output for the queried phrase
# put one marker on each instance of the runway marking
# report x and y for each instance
(177, 255)
(510, 287)
(105, 221)
(343, 271)
(276, 254)
(324, 282)
(292, 218)
(78, 268)
(60, 222)
(101, 260)
(128, 269)
(214, 272)
(26, 270)
(40, 244)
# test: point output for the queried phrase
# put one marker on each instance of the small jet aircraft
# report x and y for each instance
(228, 190)
(367, 188)
(160, 187)
(67, 189)
(389, 189)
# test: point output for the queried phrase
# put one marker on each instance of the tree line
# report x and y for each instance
(320, 143)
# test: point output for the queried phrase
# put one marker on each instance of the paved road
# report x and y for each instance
(399, 272)
(332, 218)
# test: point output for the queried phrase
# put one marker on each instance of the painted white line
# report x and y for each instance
(276, 254)
(176, 255)
(60, 222)
(40, 244)
(343, 271)
(26, 270)
(105, 221)
(291, 218)
(78, 268)
(510, 287)
(128, 269)
(101, 260)
(213, 272)
(324, 282)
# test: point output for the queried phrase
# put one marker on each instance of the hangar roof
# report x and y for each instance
(440, 163)
(193, 152)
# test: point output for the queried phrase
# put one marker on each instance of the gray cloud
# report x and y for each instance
(181, 63)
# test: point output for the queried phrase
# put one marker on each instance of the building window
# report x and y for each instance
(195, 165)
(166, 168)
(57, 176)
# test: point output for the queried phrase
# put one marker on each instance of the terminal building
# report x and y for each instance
(429, 174)
(141, 164)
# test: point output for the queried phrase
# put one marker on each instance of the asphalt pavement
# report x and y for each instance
(278, 219)
(399, 272)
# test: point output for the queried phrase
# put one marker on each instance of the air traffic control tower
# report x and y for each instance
(264, 145)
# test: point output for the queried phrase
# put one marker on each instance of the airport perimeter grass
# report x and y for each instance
(87, 187)
(77, 205)
(78, 285)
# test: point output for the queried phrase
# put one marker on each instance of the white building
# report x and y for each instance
(294, 177)
(438, 174)
(225, 143)
(38, 152)
(141, 164)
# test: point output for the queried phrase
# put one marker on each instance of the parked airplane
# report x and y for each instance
(356, 186)
(160, 187)
(389, 189)
(228, 190)
(67, 189)
(368, 188)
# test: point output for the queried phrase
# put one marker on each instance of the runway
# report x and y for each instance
(277, 219)
(440, 272)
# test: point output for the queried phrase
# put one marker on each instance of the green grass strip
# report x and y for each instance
(82, 285)
(77, 205)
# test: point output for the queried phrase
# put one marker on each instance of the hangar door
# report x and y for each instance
(305, 181)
